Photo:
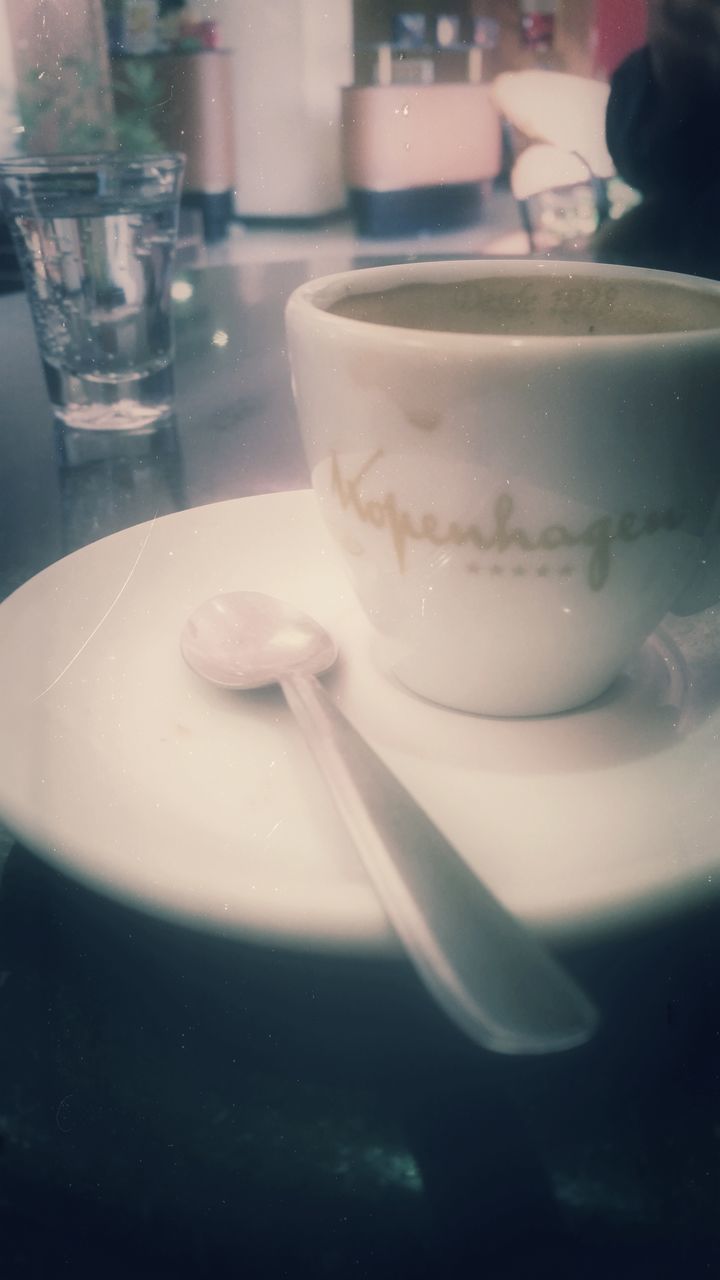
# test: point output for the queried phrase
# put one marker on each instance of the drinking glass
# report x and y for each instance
(95, 236)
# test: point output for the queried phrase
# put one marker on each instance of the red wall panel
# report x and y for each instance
(620, 27)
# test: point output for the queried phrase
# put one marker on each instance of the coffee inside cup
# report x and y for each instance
(515, 305)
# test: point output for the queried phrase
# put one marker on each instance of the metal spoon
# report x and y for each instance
(492, 977)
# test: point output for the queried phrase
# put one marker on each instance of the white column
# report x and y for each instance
(291, 59)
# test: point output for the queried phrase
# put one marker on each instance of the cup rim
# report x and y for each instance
(312, 300)
(79, 162)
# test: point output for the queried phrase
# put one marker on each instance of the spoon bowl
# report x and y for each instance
(245, 640)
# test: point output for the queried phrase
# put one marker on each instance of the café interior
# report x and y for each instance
(222, 1051)
(311, 130)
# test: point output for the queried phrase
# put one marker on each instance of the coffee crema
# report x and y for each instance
(520, 306)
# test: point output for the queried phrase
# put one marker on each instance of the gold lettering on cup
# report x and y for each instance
(503, 534)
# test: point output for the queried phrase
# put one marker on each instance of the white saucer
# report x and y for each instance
(122, 768)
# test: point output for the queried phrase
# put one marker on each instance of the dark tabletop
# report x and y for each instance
(179, 1104)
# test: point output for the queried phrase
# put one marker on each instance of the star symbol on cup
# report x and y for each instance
(519, 571)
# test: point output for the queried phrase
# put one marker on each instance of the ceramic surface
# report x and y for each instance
(518, 462)
(124, 769)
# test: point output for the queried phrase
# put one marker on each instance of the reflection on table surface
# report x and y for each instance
(234, 432)
(174, 1103)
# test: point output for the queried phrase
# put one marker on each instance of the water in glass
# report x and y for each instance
(99, 288)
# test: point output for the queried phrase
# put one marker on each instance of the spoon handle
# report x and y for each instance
(488, 972)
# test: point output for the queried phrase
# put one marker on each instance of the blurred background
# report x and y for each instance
(311, 126)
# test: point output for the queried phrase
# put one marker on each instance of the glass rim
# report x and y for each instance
(81, 162)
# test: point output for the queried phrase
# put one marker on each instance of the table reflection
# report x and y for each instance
(109, 480)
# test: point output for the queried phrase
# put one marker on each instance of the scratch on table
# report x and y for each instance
(105, 616)
(62, 1114)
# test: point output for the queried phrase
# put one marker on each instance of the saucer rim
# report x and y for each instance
(362, 928)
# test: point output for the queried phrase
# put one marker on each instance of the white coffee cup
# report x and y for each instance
(519, 462)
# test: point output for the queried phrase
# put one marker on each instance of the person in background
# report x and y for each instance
(663, 133)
